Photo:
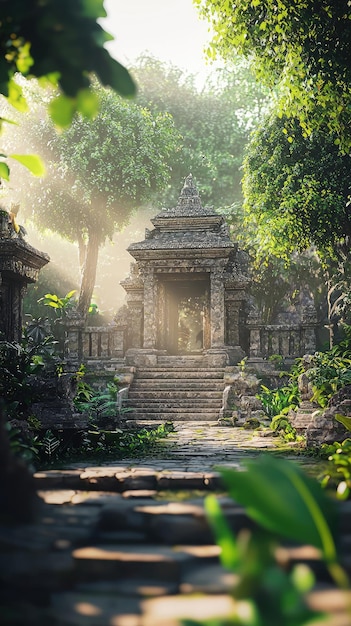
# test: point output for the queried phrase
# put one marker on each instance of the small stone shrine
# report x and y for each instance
(187, 289)
(20, 264)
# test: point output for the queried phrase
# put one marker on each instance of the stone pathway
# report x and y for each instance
(112, 546)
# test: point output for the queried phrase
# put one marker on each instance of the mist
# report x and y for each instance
(62, 273)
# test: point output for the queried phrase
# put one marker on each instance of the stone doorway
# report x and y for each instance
(187, 287)
(184, 323)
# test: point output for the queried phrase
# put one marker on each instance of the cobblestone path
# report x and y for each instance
(114, 546)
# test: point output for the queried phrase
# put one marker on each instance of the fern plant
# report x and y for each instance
(50, 444)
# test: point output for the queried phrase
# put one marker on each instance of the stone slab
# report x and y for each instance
(122, 561)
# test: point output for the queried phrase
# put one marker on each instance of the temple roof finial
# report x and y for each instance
(189, 197)
(189, 188)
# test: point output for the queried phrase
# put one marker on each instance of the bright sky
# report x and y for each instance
(168, 29)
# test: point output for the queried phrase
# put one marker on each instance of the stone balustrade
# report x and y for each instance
(109, 342)
(288, 341)
(94, 342)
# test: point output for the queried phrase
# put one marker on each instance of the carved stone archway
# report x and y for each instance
(186, 289)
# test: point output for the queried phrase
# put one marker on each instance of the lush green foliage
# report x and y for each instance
(304, 52)
(338, 472)
(296, 190)
(98, 172)
(25, 446)
(62, 43)
(331, 370)
(282, 399)
(97, 404)
(18, 364)
(214, 123)
(47, 448)
(277, 403)
(297, 508)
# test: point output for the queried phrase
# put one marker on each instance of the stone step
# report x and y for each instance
(186, 385)
(178, 373)
(179, 388)
(136, 550)
(174, 408)
(122, 561)
(173, 394)
(169, 416)
(180, 361)
(166, 404)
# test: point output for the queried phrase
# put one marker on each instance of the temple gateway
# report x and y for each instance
(187, 288)
(187, 295)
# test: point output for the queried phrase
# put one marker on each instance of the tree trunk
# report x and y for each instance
(82, 251)
(89, 272)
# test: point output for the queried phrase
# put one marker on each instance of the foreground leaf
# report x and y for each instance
(344, 419)
(32, 162)
(282, 499)
(223, 534)
(4, 171)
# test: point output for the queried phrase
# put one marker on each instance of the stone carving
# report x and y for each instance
(186, 274)
(240, 403)
(324, 428)
(20, 264)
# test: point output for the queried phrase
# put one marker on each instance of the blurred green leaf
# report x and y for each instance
(62, 110)
(282, 499)
(344, 419)
(93, 8)
(87, 103)
(32, 162)
(15, 96)
(113, 74)
(4, 171)
(223, 534)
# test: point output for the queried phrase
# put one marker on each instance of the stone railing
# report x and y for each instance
(287, 341)
(94, 342)
(109, 342)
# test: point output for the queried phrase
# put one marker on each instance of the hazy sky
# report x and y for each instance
(168, 29)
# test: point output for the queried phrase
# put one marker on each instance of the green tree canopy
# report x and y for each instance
(98, 172)
(296, 190)
(63, 43)
(214, 122)
(301, 46)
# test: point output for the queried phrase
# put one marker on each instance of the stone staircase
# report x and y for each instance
(111, 546)
(177, 389)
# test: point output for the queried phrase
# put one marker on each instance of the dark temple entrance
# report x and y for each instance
(184, 323)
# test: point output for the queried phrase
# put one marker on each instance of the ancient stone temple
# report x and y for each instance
(20, 264)
(178, 343)
(187, 288)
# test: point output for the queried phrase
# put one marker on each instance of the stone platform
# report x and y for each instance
(129, 544)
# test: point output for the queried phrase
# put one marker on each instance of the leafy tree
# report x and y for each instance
(302, 47)
(297, 193)
(62, 43)
(214, 122)
(296, 190)
(98, 173)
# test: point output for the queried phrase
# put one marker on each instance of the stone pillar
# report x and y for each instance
(285, 343)
(149, 310)
(232, 325)
(308, 328)
(19, 265)
(74, 325)
(217, 310)
(131, 316)
(135, 325)
(254, 325)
